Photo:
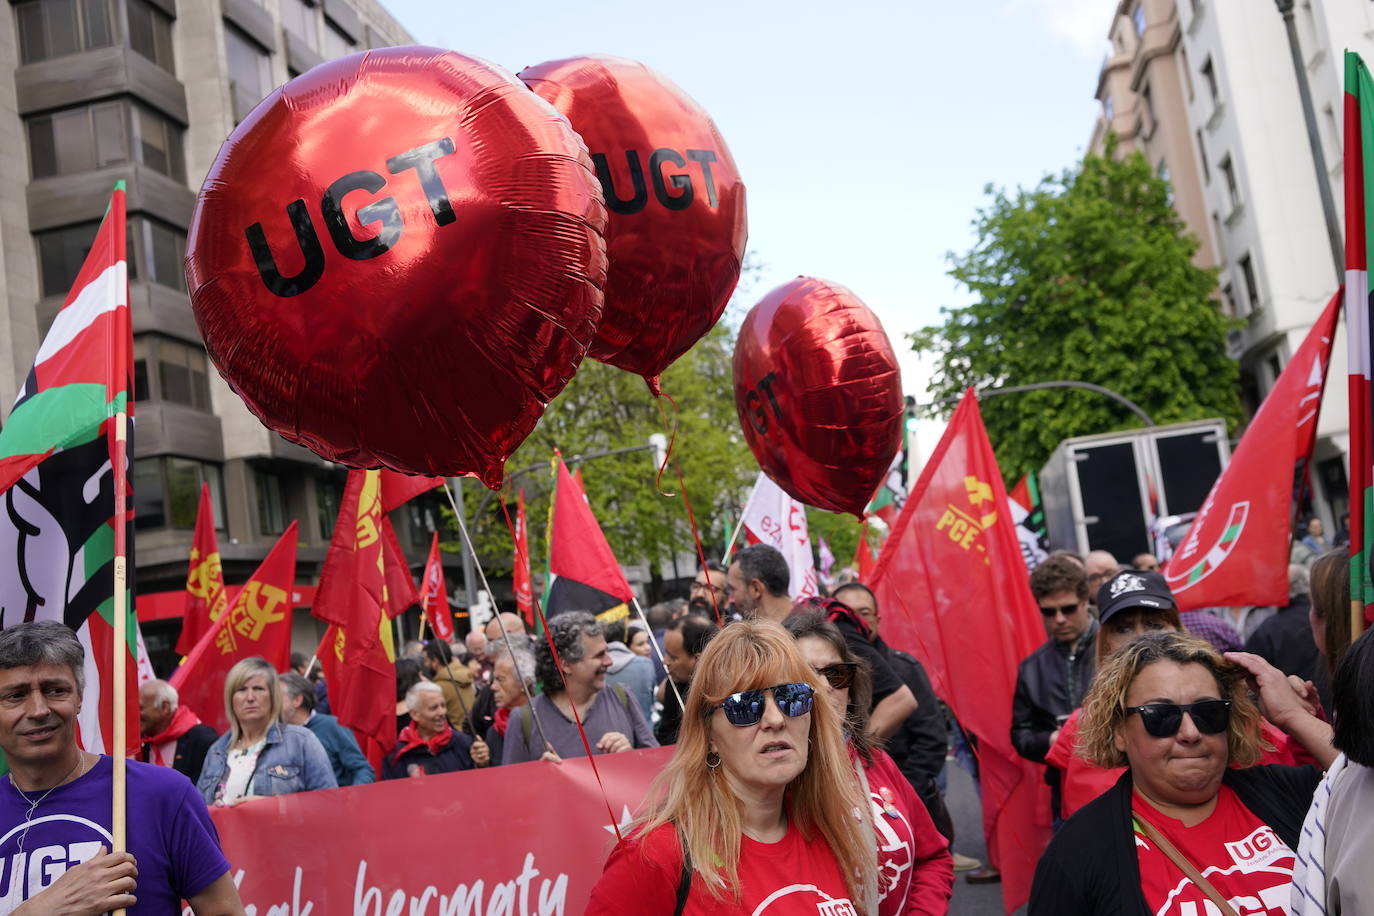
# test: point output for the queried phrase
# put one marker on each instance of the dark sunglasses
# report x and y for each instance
(1163, 720)
(1066, 609)
(839, 675)
(746, 707)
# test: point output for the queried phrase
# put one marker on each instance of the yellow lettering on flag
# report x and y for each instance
(255, 607)
(206, 581)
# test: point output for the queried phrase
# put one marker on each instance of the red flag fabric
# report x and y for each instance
(399, 489)
(350, 590)
(257, 623)
(583, 572)
(953, 591)
(863, 555)
(523, 582)
(1236, 551)
(205, 595)
(398, 592)
(433, 597)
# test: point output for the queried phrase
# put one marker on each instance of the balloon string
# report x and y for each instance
(558, 663)
(691, 518)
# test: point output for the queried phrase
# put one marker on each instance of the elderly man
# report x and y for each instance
(173, 735)
(512, 683)
(576, 679)
(55, 803)
(429, 744)
(298, 708)
(476, 645)
(1100, 566)
(513, 624)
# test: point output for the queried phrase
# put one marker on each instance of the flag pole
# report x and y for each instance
(653, 641)
(734, 535)
(505, 635)
(118, 379)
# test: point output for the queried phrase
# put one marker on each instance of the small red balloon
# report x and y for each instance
(677, 213)
(819, 394)
(397, 259)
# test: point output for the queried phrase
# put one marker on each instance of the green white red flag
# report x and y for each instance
(206, 599)
(258, 623)
(1359, 176)
(58, 461)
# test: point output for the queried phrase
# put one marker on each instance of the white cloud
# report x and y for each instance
(1083, 23)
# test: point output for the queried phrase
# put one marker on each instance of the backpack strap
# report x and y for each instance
(527, 726)
(624, 695)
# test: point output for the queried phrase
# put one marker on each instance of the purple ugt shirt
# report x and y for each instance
(169, 832)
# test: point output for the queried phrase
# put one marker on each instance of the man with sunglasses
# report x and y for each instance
(1052, 680)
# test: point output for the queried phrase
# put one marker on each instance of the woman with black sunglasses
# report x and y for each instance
(915, 869)
(756, 808)
(1182, 826)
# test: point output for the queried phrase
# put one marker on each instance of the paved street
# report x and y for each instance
(969, 899)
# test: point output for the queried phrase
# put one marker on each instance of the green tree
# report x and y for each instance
(1087, 277)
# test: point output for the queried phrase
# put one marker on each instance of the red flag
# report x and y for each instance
(399, 489)
(257, 623)
(863, 554)
(583, 572)
(522, 580)
(953, 591)
(205, 595)
(1236, 551)
(355, 597)
(433, 597)
(398, 592)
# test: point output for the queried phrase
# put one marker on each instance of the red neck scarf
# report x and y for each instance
(183, 720)
(409, 739)
(501, 720)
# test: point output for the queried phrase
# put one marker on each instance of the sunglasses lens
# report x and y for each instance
(744, 708)
(793, 699)
(1211, 716)
(1161, 720)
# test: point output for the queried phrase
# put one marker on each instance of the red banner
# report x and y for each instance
(523, 839)
(953, 591)
(433, 598)
(1236, 551)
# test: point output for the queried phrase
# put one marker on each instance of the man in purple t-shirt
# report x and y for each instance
(55, 804)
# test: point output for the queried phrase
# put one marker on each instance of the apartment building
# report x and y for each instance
(1206, 89)
(146, 91)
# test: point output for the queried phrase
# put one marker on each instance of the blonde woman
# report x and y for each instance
(1183, 830)
(260, 755)
(759, 795)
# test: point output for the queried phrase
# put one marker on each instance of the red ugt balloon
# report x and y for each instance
(397, 259)
(677, 214)
(819, 394)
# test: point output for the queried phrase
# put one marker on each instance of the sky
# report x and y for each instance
(865, 132)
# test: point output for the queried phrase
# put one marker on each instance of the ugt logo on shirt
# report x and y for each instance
(1258, 850)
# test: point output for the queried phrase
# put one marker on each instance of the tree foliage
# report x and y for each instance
(1088, 277)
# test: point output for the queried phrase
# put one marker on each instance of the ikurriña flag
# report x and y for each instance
(205, 595)
(257, 623)
(1359, 177)
(58, 463)
(952, 589)
(1236, 550)
(583, 572)
(433, 598)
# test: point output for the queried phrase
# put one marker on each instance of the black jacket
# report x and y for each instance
(452, 757)
(189, 757)
(1285, 641)
(1050, 683)
(919, 746)
(1091, 869)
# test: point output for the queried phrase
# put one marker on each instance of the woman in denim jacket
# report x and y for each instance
(260, 755)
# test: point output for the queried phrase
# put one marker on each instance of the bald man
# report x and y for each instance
(1099, 566)
(513, 624)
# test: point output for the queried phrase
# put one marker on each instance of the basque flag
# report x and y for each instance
(1359, 146)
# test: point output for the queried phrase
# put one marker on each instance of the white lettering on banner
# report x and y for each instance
(1257, 850)
(466, 899)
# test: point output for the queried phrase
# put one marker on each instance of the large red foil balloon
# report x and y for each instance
(397, 259)
(819, 394)
(677, 215)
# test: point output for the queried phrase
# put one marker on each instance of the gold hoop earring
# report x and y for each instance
(709, 764)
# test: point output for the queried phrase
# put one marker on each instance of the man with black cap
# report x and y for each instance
(1052, 680)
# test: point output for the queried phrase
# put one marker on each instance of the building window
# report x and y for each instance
(141, 390)
(94, 136)
(50, 29)
(167, 492)
(1209, 76)
(1148, 100)
(159, 143)
(1108, 109)
(1202, 153)
(61, 253)
(158, 250)
(1247, 271)
(181, 371)
(336, 43)
(150, 33)
(250, 71)
(271, 502)
(1228, 294)
(328, 498)
(1221, 238)
(1138, 17)
(298, 18)
(1275, 368)
(1228, 172)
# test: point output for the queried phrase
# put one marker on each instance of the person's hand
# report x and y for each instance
(1054, 736)
(614, 743)
(1279, 700)
(1307, 694)
(550, 754)
(102, 883)
(481, 753)
(244, 798)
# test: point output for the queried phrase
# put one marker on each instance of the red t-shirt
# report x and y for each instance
(1233, 849)
(791, 876)
(915, 871)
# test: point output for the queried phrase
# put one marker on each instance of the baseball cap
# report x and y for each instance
(1133, 589)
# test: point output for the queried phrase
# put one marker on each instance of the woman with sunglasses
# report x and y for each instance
(915, 869)
(1181, 827)
(757, 806)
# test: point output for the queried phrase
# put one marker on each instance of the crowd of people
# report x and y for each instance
(1184, 750)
